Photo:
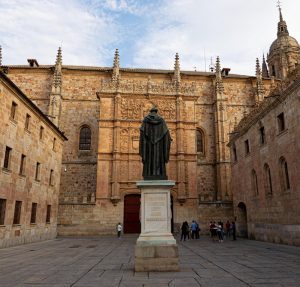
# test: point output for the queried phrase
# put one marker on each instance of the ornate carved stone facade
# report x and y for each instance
(200, 108)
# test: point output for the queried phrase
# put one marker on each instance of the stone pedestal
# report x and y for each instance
(156, 248)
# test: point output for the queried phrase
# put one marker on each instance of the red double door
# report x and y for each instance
(132, 205)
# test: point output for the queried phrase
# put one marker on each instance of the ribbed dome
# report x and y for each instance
(284, 42)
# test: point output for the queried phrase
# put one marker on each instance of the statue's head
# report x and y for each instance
(154, 109)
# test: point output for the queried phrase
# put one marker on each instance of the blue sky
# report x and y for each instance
(147, 33)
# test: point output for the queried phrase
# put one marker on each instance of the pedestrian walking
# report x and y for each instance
(119, 229)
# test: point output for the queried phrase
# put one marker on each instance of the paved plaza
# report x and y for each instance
(109, 261)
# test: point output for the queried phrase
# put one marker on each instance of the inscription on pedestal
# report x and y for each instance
(156, 215)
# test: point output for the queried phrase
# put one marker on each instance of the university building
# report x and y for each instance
(100, 110)
(30, 152)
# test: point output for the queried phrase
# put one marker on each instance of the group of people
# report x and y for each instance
(218, 232)
(188, 232)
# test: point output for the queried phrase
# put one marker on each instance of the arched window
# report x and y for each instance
(254, 182)
(200, 141)
(268, 180)
(284, 174)
(85, 138)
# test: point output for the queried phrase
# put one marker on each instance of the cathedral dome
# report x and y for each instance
(284, 42)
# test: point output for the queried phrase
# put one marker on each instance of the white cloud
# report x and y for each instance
(147, 32)
(35, 29)
(236, 30)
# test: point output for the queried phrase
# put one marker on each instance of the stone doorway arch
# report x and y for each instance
(132, 223)
(241, 220)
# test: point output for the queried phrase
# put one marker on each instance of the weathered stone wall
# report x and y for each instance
(271, 216)
(88, 177)
(25, 187)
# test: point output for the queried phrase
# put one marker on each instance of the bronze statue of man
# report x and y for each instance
(155, 141)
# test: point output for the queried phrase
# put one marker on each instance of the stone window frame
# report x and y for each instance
(2, 210)
(262, 134)
(7, 158)
(27, 122)
(38, 171)
(234, 153)
(22, 165)
(281, 125)
(48, 213)
(247, 147)
(17, 212)
(254, 183)
(13, 111)
(54, 144)
(268, 180)
(83, 140)
(51, 177)
(284, 175)
(200, 134)
(41, 134)
(33, 213)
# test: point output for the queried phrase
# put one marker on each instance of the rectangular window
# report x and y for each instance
(281, 123)
(247, 147)
(2, 210)
(262, 135)
(37, 171)
(41, 132)
(7, 157)
(51, 177)
(54, 144)
(48, 215)
(17, 213)
(234, 153)
(33, 213)
(13, 110)
(22, 164)
(27, 122)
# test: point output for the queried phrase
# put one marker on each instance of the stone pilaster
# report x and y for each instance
(222, 157)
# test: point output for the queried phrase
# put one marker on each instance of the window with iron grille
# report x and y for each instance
(41, 132)
(51, 177)
(17, 213)
(27, 121)
(33, 213)
(7, 157)
(281, 123)
(37, 171)
(85, 138)
(22, 164)
(2, 210)
(13, 110)
(48, 215)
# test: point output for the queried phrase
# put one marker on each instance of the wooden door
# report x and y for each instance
(132, 222)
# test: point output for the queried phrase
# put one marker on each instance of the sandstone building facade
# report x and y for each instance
(30, 157)
(100, 111)
(265, 168)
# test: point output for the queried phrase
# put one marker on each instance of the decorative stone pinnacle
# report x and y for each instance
(177, 69)
(265, 72)
(258, 70)
(58, 57)
(259, 83)
(58, 70)
(219, 81)
(116, 66)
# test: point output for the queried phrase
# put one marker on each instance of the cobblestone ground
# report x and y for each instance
(108, 261)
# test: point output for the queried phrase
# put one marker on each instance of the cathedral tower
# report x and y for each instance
(284, 52)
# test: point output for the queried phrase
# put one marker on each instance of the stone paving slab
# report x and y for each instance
(108, 261)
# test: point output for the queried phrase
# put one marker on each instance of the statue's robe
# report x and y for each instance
(155, 141)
